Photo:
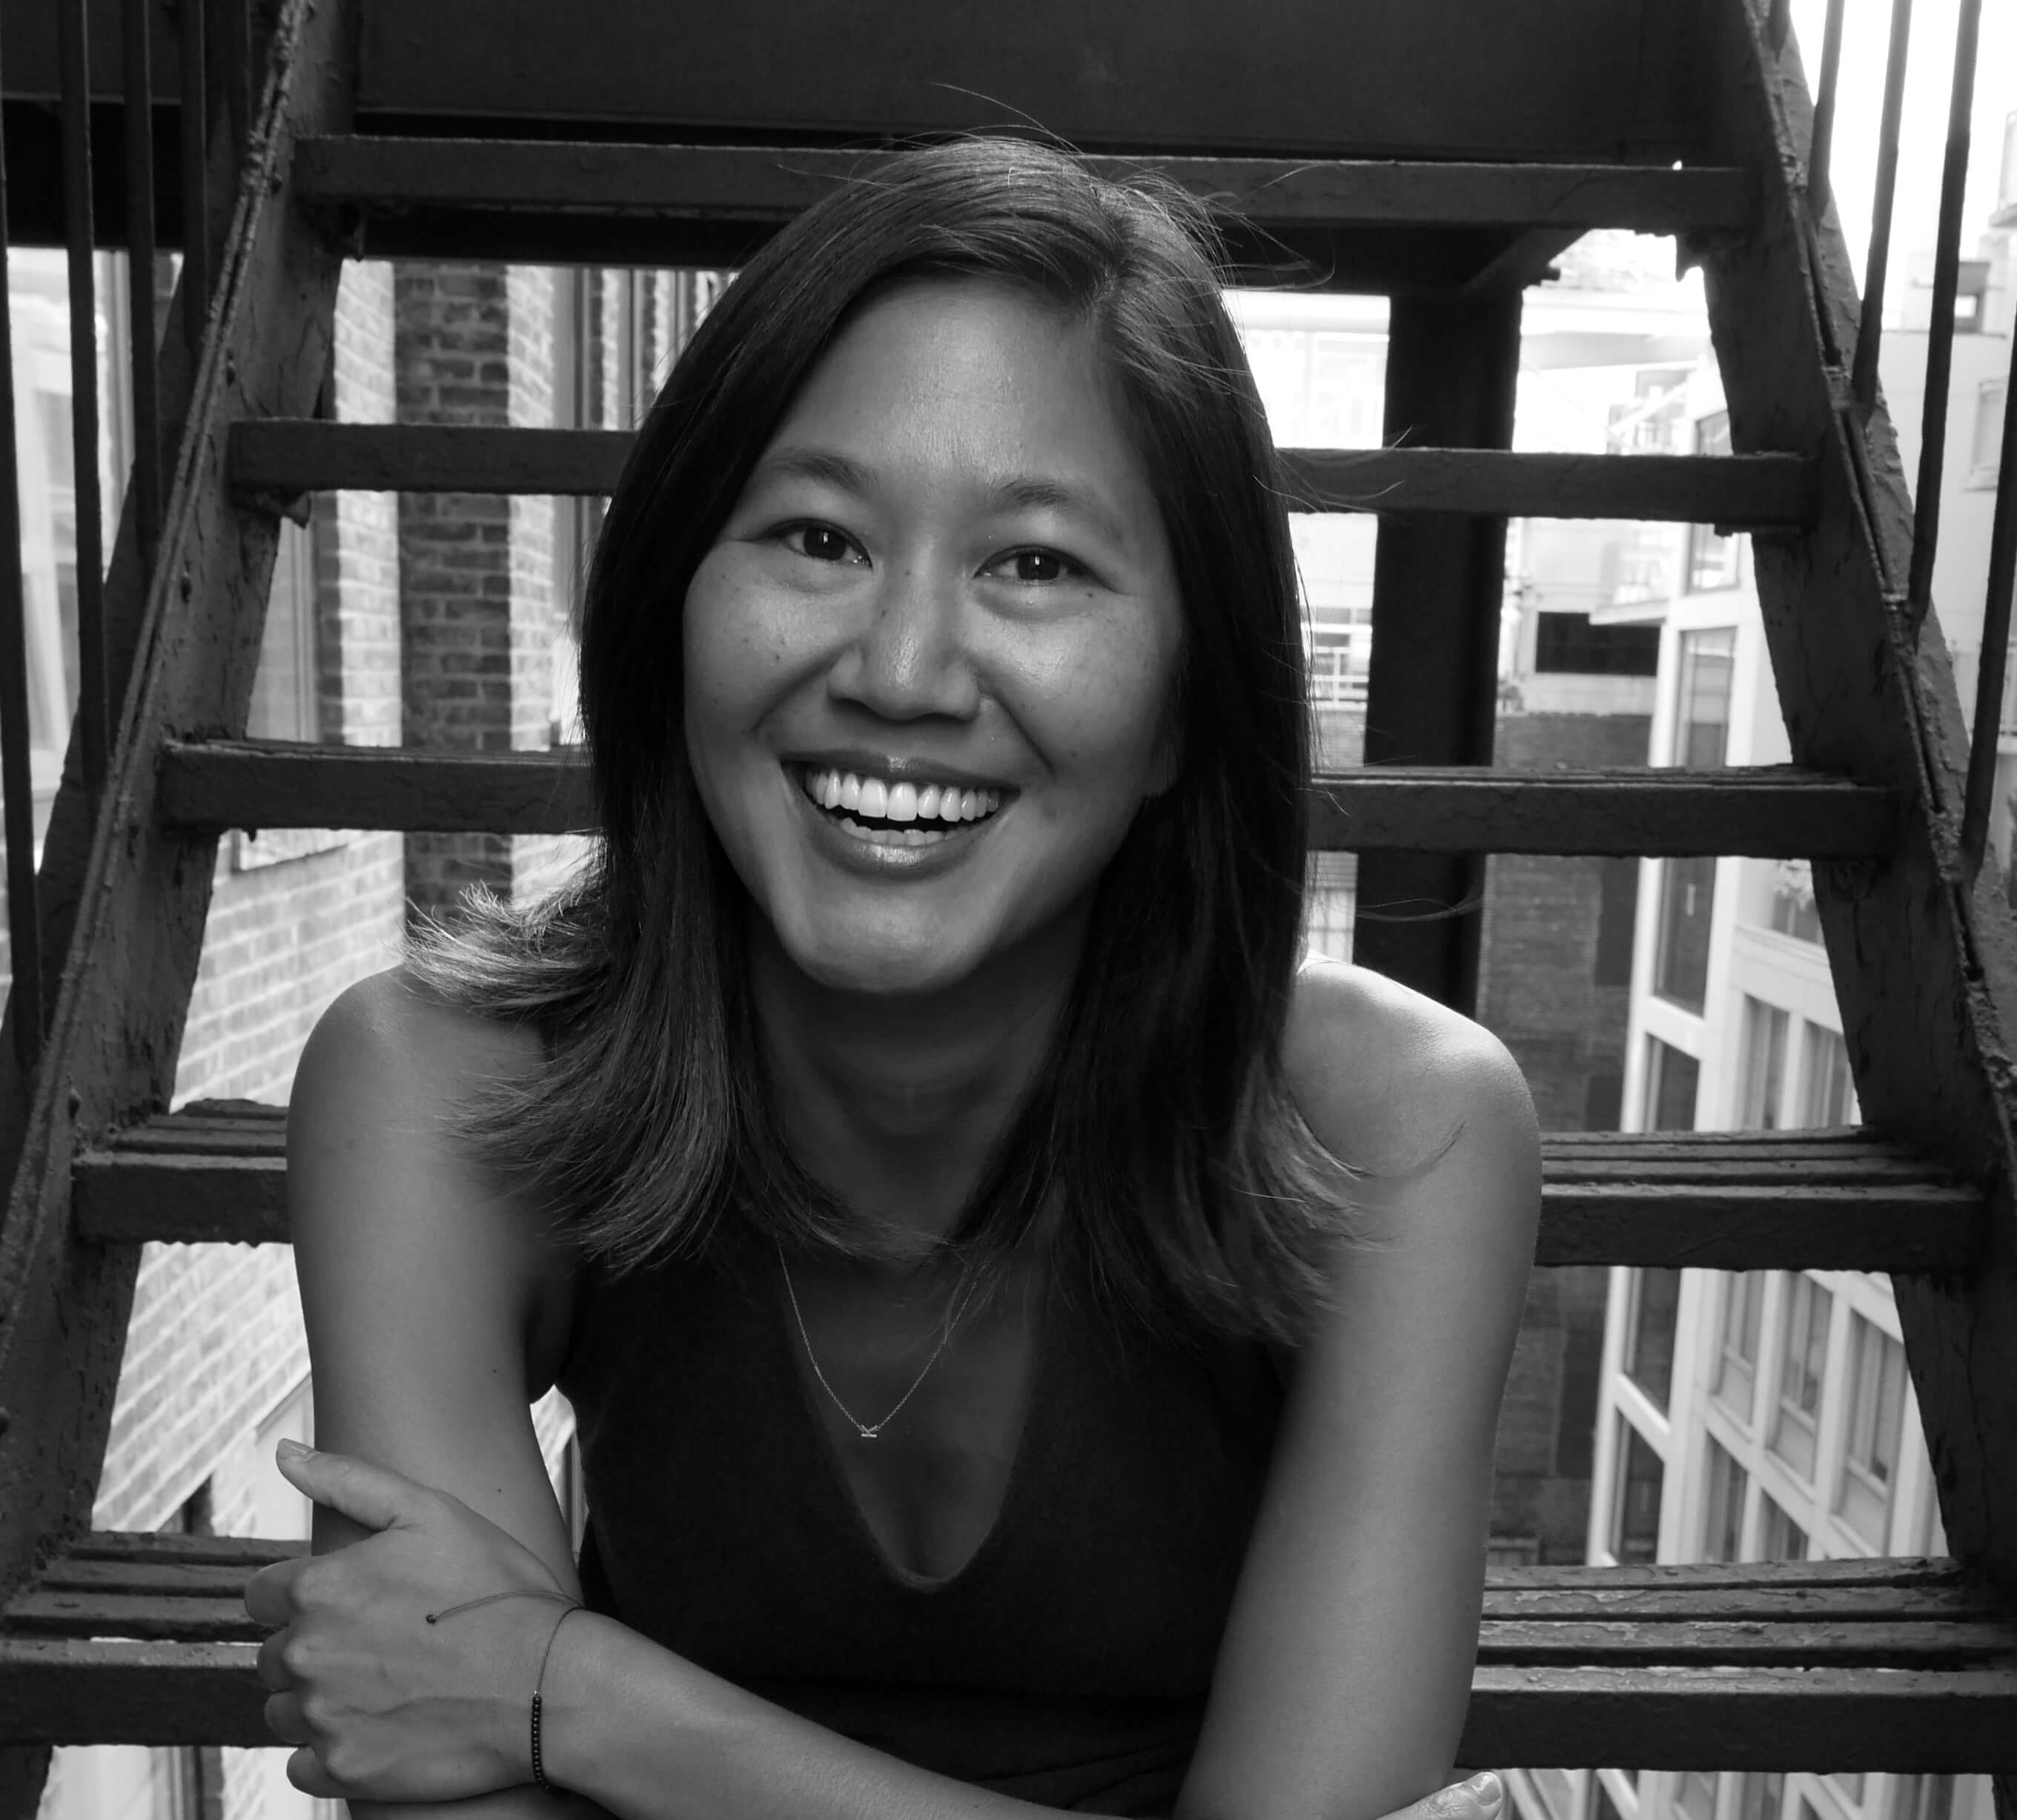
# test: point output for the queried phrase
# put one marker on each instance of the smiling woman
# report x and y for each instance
(926, 1062)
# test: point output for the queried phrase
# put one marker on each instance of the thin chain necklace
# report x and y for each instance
(868, 1431)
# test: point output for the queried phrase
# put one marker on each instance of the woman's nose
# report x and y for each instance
(910, 659)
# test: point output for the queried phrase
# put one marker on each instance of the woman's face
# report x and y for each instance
(930, 660)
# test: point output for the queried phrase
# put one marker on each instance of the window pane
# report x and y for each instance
(1722, 1525)
(1649, 1341)
(1635, 1527)
(1701, 721)
(1670, 1080)
(1681, 950)
(1761, 1086)
(1330, 904)
(1874, 1422)
(1828, 1095)
(1737, 1350)
(1794, 912)
(1779, 1538)
(1803, 1352)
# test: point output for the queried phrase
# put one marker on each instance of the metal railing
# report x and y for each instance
(218, 31)
(1978, 802)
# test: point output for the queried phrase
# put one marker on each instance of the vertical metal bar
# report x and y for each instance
(1940, 332)
(1976, 804)
(1823, 149)
(1863, 378)
(25, 926)
(92, 714)
(195, 179)
(138, 59)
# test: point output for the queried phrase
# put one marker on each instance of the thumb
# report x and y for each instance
(354, 1488)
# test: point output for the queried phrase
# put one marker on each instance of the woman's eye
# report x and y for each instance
(1034, 565)
(822, 543)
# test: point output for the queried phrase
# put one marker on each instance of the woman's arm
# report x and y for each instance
(1342, 1681)
(427, 1298)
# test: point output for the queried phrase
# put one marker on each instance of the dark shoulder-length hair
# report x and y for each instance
(1158, 1145)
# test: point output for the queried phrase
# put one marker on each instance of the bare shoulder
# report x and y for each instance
(389, 1035)
(385, 1190)
(1391, 1081)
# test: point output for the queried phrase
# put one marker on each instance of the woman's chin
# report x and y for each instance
(883, 968)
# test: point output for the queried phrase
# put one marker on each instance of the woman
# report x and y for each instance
(915, 1149)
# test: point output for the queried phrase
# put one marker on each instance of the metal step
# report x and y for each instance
(1887, 1664)
(1765, 812)
(715, 205)
(281, 460)
(1762, 1201)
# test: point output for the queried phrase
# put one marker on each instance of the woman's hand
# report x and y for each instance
(1481, 1798)
(383, 1704)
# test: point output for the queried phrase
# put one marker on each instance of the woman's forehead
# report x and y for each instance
(971, 378)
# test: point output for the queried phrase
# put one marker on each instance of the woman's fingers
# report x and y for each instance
(1479, 1799)
(270, 1594)
(364, 1493)
(305, 1771)
(272, 1673)
(284, 1718)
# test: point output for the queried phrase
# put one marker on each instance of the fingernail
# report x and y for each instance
(290, 1449)
(1486, 1786)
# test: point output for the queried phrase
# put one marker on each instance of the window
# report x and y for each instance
(1762, 1084)
(1680, 952)
(1848, 1784)
(1971, 293)
(1634, 1516)
(1794, 912)
(1616, 905)
(1736, 1346)
(1827, 1091)
(1329, 904)
(285, 703)
(1922, 1797)
(1649, 1333)
(1567, 643)
(1713, 562)
(1779, 1538)
(1875, 1423)
(1672, 1077)
(1701, 719)
(1985, 438)
(1803, 1350)
(1694, 1794)
(1723, 1518)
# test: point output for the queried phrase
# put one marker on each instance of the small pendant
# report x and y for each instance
(870, 1434)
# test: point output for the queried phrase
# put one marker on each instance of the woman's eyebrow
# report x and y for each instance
(1038, 493)
(822, 465)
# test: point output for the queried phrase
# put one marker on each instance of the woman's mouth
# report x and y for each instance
(903, 813)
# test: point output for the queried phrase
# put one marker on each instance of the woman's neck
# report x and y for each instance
(893, 1103)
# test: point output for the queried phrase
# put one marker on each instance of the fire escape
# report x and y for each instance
(1441, 152)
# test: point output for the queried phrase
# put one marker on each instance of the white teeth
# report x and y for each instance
(903, 803)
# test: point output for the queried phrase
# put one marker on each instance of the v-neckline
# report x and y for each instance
(790, 1352)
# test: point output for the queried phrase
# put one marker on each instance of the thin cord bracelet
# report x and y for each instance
(538, 1765)
(538, 1680)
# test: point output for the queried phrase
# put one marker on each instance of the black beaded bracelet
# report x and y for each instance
(538, 1763)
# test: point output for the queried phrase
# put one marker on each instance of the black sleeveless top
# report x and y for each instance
(1066, 1664)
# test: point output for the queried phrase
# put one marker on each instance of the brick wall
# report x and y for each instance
(1538, 991)
(474, 346)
